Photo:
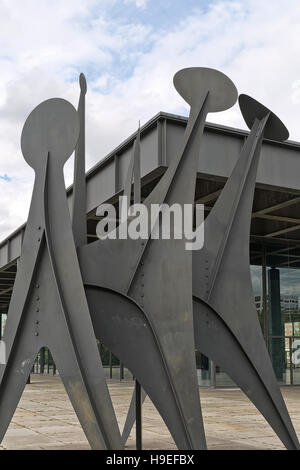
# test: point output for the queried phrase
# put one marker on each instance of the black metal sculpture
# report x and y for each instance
(149, 301)
(226, 325)
(146, 287)
(48, 306)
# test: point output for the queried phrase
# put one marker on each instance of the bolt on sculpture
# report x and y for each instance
(149, 301)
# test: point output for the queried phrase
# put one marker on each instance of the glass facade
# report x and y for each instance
(203, 370)
(3, 317)
(284, 323)
(276, 291)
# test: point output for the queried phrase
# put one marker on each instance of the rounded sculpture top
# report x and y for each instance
(52, 127)
(252, 109)
(194, 83)
(82, 83)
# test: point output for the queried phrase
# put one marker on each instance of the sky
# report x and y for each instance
(129, 51)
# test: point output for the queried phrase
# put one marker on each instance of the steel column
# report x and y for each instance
(264, 296)
(138, 414)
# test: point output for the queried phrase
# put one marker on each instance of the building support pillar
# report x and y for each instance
(213, 381)
(264, 296)
(110, 365)
(276, 326)
(42, 360)
(121, 371)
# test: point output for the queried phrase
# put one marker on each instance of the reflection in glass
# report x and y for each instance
(284, 322)
(3, 323)
(203, 370)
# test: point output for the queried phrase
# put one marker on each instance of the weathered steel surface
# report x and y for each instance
(148, 300)
(225, 319)
(49, 306)
(157, 276)
(79, 187)
(226, 326)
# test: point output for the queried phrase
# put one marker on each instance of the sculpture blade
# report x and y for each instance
(221, 278)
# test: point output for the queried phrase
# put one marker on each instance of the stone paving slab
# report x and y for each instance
(45, 419)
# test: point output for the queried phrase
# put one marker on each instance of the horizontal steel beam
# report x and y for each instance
(276, 207)
(209, 197)
(277, 218)
(282, 231)
(3, 292)
(288, 263)
(282, 241)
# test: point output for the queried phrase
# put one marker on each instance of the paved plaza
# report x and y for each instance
(45, 419)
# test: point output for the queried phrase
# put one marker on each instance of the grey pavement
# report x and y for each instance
(45, 419)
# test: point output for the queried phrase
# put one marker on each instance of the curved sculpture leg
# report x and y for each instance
(217, 341)
(174, 331)
(161, 284)
(233, 338)
(51, 301)
(221, 279)
(82, 384)
(159, 276)
(75, 310)
(14, 374)
(163, 289)
(130, 335)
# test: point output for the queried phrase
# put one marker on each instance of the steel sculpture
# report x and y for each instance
(145, 289)
(79, 187)
(149, 301)
(226, 325)
(48, 305)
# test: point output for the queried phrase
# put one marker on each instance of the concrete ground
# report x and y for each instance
(45, 419)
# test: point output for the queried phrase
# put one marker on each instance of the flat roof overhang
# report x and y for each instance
(276, 208)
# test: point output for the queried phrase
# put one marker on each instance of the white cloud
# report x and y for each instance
(131, 65)
(138, 3)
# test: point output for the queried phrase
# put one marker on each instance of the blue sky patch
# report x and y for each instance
(5, 177)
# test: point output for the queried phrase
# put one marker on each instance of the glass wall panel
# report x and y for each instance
(280, 323)
(295, 355)
(284, 320)
(257, 287)
(3, 323)
(203, 370)
(280, 356)
(223, 379)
